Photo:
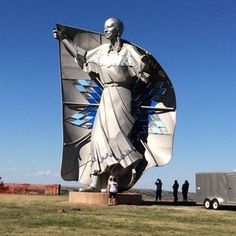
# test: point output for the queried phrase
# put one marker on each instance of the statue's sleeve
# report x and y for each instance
(140, 63)
(92, 60)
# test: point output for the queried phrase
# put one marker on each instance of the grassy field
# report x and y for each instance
(54, 215)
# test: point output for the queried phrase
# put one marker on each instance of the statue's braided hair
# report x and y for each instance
(120, 28)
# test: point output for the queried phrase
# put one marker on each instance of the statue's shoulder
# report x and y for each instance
(129, 46)
(103, 47)
(133, 47)
(99, 50)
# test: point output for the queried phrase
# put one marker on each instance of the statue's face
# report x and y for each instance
(111, 29)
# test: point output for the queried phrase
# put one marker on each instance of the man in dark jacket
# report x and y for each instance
(185, 187)
(175, 190)
(158, 184)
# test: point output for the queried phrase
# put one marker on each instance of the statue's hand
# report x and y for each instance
(57, 34)
(145, 77)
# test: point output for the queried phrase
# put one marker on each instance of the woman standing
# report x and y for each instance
(112, 188)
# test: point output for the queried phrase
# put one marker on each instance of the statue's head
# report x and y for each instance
(113, 28)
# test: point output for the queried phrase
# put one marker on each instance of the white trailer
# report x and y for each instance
(216, 189)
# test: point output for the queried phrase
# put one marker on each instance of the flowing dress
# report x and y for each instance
(110, 141)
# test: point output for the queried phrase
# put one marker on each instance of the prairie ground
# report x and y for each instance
(54, 215)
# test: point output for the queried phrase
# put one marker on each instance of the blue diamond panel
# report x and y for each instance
(148, 95)
(84, 117)
(91, 90)
(155, 125)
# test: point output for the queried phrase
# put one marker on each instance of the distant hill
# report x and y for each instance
(150, 195)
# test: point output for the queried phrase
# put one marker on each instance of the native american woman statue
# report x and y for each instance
(118, 107)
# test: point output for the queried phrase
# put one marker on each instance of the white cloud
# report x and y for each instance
(43, 173)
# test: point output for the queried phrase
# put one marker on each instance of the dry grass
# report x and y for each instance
(45, 215)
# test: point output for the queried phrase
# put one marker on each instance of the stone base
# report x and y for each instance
(102, 198)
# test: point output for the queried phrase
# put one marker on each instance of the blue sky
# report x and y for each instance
(193, 40)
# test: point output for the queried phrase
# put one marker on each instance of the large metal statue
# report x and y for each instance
(118, 107)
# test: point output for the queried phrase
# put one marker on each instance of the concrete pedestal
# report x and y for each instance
(102, 198)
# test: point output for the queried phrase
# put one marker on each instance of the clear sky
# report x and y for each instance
(194, 41)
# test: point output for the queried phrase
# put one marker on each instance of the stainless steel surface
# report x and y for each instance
(118, 108)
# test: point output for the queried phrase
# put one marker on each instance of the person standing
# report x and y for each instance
(158, 184)
(112, 188)
(175, 190)
(185, 188)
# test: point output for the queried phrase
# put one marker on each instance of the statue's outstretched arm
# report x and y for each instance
(76, 52)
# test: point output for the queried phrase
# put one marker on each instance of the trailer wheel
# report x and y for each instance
(215, 204)
(207, 203)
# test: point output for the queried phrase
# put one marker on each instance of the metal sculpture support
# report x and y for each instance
(118, 107)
